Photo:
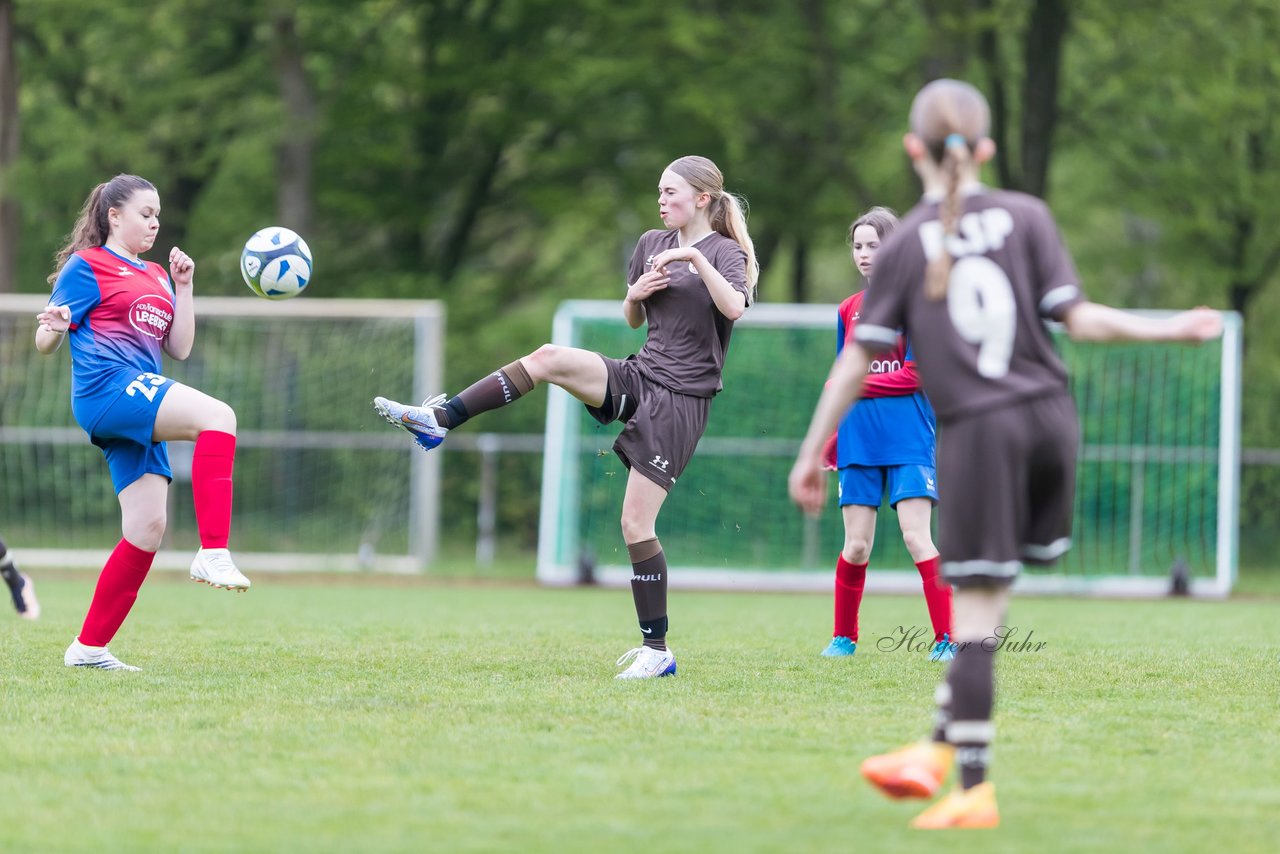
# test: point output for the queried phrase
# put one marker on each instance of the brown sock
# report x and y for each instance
(497, 389)
(649, 590)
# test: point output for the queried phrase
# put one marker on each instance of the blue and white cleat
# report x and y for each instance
(648, 663)
(943, 650)
(840, 646)
(419, 421)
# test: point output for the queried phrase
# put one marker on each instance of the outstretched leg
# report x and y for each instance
(582, 373)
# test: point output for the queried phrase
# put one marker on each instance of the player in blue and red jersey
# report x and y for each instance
(884, 444)
(121, 313)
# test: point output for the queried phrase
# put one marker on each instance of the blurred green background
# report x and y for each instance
(503, 156)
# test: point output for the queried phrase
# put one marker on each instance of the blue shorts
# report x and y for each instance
(866, 485)
(123, 430)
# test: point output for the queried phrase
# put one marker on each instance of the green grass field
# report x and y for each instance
(381, 715)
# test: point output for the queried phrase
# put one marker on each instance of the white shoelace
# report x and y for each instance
(630, 654)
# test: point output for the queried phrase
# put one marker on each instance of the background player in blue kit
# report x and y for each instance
(885, 443)
(120, 313)
(972, 274)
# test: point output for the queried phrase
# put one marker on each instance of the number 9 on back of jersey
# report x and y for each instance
(276, 263)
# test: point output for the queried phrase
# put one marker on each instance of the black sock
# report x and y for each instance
(972, 683)
(649, 590)
(7, 570)
(498, 389)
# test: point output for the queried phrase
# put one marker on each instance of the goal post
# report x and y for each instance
(320, 483)
(1158, 473)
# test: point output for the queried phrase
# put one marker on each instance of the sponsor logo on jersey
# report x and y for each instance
(151, 315)
(124, 271)
(883, 366)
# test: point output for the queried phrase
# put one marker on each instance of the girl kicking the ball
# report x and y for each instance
(689, 281)
(120, 312)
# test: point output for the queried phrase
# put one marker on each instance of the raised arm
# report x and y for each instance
(182, 333)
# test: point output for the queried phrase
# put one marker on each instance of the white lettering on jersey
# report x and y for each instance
(883, 366)
(151, 315)
(982, 307)
(979, 232)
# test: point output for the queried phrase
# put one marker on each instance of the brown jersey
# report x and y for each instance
(985, 344)
(688, 337)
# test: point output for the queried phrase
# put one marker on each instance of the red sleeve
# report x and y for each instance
(897, 383)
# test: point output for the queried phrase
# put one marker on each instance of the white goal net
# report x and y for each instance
(1157, 486)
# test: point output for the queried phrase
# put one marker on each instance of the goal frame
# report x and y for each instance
(428, 318)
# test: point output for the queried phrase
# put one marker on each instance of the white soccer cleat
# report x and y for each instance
(419, 421)
(215, 568)
(97, 657)
(647, 663)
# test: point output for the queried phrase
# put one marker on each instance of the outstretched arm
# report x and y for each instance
(1091, 321)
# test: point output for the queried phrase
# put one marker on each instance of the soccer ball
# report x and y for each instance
(276, 263)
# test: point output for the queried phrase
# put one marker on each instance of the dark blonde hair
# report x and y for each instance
(728, 212)
(92, 228)
(950, 117)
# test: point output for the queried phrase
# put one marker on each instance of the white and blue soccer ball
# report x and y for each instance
(276, 263)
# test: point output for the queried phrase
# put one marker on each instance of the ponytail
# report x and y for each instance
(950, 117)
(955, 157)
(729, 218)
(92, 227)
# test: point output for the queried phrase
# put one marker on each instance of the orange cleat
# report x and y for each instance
(962, 808)
(914, 771)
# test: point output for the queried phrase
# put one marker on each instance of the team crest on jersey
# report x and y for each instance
(151, 315)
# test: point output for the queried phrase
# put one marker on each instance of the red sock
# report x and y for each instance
(116, 592)
(211, 464)
(851, 579)
(937, 596)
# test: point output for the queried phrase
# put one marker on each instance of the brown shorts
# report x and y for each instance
(1007, 481)
(662, 426)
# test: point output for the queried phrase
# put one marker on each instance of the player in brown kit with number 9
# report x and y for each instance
(971, 275)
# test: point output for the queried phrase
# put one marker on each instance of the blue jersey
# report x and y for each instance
(121, 311)
(893, 423)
